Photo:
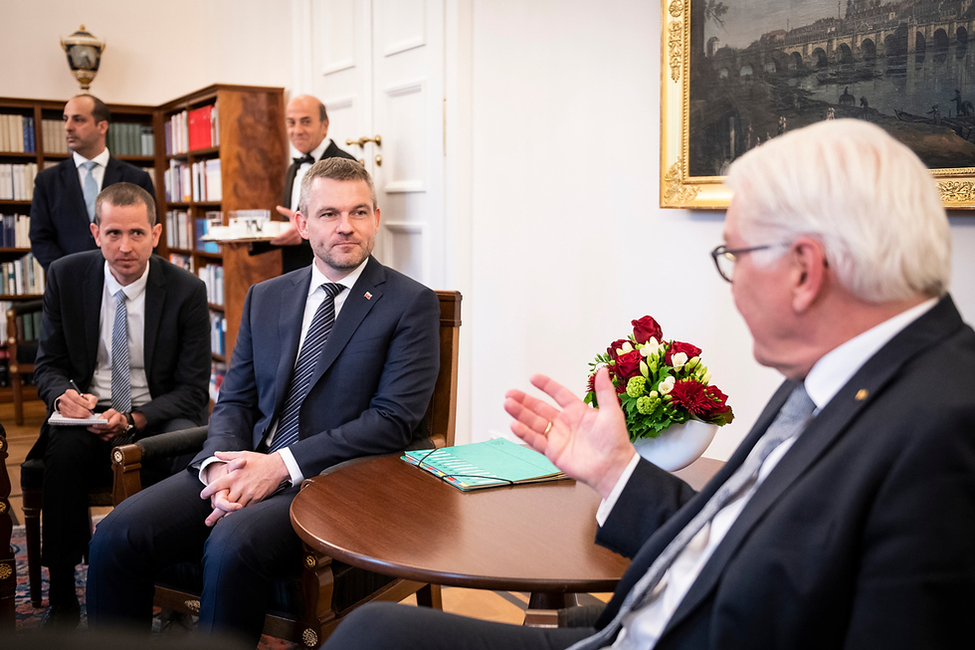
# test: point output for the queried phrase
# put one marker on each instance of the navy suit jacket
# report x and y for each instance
(58, 216)
(863, 536)
(371, 386)
(176, 337)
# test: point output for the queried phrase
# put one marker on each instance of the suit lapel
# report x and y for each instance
(113, 172)
(92, 303)
(834, 420)
(155, 299)
(290, 314)
(72, 186)
(355, 309)
(289, 182)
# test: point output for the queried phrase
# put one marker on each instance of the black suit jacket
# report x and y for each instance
(176, 337)
(300, 255)
(371, 385)
(863, 536)
(58, 216)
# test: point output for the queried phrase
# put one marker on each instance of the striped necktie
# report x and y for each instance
(318, 331)
(121, 383)
(790, 421)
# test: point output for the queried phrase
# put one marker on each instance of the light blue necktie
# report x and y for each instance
(121, 383)
(791, 420)
(90, 188)
(318, 331)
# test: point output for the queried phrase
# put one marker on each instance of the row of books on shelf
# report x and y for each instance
(193, 130)
(17, 133)
(28, 325)
(17, 181)
(218, 370)
(199, 181)
(182, 231)
(218, 333)
(212, 276)
(16, 231)
(27, 379)
(128, 139)
(23, 276)
(52, 132)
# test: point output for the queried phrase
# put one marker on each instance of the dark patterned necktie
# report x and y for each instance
(318, 331)
(791, 420)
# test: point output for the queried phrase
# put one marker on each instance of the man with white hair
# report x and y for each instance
(846, 518)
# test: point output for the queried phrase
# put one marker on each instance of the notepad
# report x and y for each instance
(485, 464)
(59, 420)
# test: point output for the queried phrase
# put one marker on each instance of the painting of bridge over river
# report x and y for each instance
(759, 68)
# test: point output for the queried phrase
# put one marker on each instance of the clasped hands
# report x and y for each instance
(73, 404)
(588, 444)
(240, 479)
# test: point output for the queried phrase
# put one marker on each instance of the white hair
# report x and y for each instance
(868, 198)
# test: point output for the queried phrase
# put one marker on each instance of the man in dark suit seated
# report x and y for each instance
(132, 332)
(846, 518)
(307, 124)
(64, 196)
(334, 361)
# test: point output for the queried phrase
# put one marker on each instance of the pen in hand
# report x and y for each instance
(78, 390)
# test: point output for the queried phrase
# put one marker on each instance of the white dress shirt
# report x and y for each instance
(316, 153)
(642, 627)
(316, 296)
(135, 307)
(98, 171)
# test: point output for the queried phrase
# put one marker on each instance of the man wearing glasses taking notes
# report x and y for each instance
(846, 518)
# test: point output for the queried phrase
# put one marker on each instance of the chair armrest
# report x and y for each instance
(127, 459)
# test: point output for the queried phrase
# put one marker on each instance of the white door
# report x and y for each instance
(379, 67)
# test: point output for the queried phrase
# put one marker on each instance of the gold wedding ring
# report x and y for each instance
(548, 428)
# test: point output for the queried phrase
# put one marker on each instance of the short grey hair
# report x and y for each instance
(867, 197)
(337, 169)
(123, 195)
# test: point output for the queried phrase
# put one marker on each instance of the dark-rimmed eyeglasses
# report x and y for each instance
(725, 258)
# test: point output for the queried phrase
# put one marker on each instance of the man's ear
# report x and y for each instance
(809, 272)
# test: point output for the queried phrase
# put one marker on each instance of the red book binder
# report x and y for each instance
(199, 127)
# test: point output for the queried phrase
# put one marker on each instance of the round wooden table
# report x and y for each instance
(390, 517)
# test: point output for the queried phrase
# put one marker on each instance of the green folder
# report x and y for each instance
(485, 464)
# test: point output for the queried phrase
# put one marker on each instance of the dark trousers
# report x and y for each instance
(387, 626)
(164, 525)
(75, 462)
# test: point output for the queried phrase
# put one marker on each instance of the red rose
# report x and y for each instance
(719, 403)
(628, 365)
(616, 345)
(679, 346)
(645, 328)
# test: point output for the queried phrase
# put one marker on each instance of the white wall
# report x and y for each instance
(156, 51)
(568, 242)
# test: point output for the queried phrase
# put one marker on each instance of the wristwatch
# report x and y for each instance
(130, 423)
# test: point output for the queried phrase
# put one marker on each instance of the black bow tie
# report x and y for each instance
(304, 159)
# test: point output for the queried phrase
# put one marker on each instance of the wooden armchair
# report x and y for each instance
(21, 349)
(307, 610)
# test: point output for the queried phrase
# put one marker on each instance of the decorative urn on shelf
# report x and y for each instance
(84, 53)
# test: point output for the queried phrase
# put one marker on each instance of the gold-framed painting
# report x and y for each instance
(735, 74)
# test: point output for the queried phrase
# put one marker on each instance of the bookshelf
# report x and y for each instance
(242, 150)
(246, 162)
(32, 139)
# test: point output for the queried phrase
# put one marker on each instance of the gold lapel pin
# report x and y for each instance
(862, 394)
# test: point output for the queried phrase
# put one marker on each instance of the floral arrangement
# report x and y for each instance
(659, 383)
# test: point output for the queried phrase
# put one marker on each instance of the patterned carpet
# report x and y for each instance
(29, 618)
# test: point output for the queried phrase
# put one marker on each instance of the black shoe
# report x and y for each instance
(62, 617)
